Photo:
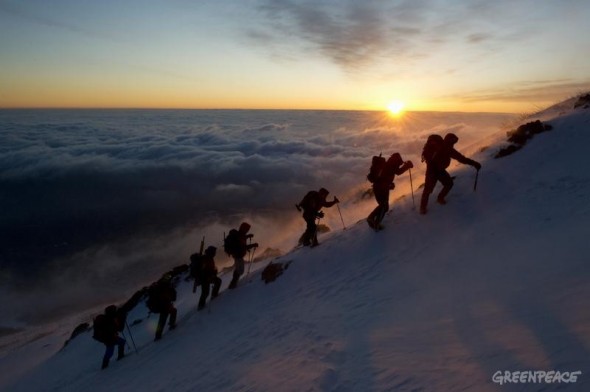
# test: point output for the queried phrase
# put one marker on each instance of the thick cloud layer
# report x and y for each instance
(97, 196)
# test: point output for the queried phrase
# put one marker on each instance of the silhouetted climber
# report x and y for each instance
(438, 159)
(312, 204)
(161, 296)
(382, 178)
(205, 272)
(236, 245)
(106, 330)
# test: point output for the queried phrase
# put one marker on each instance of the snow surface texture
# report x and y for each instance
(496, 280)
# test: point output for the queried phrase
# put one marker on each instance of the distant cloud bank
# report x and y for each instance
(101, 193)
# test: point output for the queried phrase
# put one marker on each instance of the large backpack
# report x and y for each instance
(308, 201)
(154, 300)
(431, 147)
(99, 328)
(231, 243)
(377, 166)
(196, 264)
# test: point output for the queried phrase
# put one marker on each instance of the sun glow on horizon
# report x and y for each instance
(396, 107)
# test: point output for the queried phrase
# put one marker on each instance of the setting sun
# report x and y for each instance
(395, 107)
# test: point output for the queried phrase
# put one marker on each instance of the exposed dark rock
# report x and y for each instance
(521, 135)
(323, 228)
(507, 150)
(525, 132)
(77, 331)
(583, 101)
(273, 270)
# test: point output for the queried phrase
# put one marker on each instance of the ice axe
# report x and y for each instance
(476, 177)
(195, 284)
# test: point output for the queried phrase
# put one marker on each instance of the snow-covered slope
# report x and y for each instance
(496, 280)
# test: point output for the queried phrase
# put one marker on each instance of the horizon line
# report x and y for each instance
(249, 109)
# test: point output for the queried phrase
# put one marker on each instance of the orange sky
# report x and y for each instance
(503, 57)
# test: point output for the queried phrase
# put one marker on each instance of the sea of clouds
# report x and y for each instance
(97, 203)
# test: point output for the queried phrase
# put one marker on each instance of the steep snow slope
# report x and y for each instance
(496, 280)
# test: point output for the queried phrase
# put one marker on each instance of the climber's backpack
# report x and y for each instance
(431, 147)
(377, 166)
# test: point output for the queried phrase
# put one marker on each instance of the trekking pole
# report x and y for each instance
(412, 188)
(476, 177)
(125, 338)
(249, 257)
(131, 336)
(343, 225)
(251, 260)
